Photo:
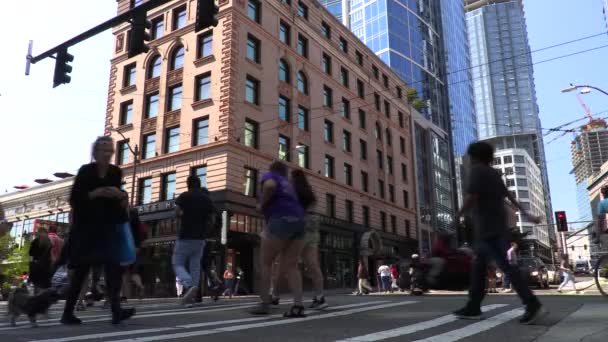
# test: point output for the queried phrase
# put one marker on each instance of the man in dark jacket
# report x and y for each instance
(41, 262)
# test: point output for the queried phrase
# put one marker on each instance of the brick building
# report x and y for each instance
(274, 80)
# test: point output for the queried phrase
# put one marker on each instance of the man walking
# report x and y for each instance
(194, 211)
(512, 259)
(485, 196)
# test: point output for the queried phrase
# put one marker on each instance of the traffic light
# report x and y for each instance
(62, 68)
(572, 248)
(561, 221)
(585, 247)
(206, 14)
(138, 35)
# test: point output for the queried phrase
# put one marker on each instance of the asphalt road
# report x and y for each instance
(395, 317)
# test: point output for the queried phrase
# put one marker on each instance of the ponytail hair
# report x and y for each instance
(303, 189)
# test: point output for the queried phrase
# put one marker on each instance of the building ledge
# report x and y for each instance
(202, 104)
(204, 60)
(128, 90)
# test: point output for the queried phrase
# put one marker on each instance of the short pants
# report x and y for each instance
(285, 228)
(312, 237)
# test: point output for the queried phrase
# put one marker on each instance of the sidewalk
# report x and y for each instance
(590, 321)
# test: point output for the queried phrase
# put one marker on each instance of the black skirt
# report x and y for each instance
(92, 244)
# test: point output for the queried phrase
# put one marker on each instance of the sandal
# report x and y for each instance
(296, 311)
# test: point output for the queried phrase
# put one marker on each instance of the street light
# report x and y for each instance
(586, 89)
(135, 162)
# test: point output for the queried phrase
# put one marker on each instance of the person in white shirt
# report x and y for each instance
(385, 277)
(512, 259)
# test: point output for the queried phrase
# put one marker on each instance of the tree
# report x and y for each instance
(412, 95)
(16, 264)
(419, 104)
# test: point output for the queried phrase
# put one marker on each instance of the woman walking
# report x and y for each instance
(568, 274)
(98, 206)
(283, 235)
(229, 281)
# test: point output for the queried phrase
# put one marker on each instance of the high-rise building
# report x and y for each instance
(605, 10)
(503, 83)
(275, 80)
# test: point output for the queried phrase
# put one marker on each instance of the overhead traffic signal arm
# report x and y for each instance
(206, 14)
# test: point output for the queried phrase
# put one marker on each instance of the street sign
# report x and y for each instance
(224, 237)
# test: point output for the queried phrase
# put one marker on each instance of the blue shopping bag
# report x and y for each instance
(126, 248)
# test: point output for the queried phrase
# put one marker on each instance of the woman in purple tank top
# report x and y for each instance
(283, 236)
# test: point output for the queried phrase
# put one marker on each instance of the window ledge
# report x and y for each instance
(124, 128)
(128, 89)
(253, 105)
(204, 60)
(202, 103)
(255, 64)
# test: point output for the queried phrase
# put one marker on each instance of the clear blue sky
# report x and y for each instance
(45, 130)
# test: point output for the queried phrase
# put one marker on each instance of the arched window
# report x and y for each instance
(378, 131)
(389, 137)
(302, 83)
(154, 67)
(283, 71)
(177, 59)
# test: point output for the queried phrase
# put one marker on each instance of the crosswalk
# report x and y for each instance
(166, 322)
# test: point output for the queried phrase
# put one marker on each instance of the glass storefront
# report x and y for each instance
(338, 260)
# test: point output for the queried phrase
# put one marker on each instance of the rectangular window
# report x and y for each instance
(348, 174)
(284, 33)
(329, 167)
(359, 57)
(253, 10)
(362, 119)
(520, 171)
(158, 27)
(251, 181)
(122, 154)
(303, 118)
(302, 10)
(175, 98)
(168, 187)
(145, 191)
(404, 172)
(253, 49)
(284, 148)
(377, 101)
(172, 139)
(381, 188)
(399, 92)
(201, 131)
(302, 156)
(251, 133)
(350, 211)
(149, 146)
(391, 193)
(380, 159)
(126, 113)
(387, 109)
(328, 97)
(364, 181)
(345, 112)
(325, 30)
(360, 89)
(375, 72)
(401, 120)
(328, 131)
(393, 224)
(203, 87)
(522, 182)
(406, 199)
(343, 45)
(383, 220)
(365, 214)
(385, 80)
(284, 109)
(179, 18)
(129, 75)
(326, 64)
(523, 194)
(346, 141)
(344, 77)
(302, 46)
(205, 45)
(151, 105)
(201, 173)
(508, 159)
(363, 149)
(408, 228)
(330, 205)
(286, 2)
(252, 88)
(402, 145)
(389, 164)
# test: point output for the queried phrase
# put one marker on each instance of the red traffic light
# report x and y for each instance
(561, 221)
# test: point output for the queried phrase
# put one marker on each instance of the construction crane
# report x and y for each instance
(593, 123)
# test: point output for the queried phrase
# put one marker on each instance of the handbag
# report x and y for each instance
(126, 245)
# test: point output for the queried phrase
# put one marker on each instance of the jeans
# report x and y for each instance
(386, 283)
(188, 252)
(568, 277)
(495, 249)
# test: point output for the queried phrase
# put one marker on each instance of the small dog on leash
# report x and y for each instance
(21, 303)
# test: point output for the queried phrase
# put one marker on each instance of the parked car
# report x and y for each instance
(535, 271)
(581, 267)
(554, 274)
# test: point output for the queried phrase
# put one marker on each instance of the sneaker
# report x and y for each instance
(122, 315)
(532, 314)
(319, 303)
(467, 313)
(188, 297)
(275, 300)
(70, 319)
(507, 291)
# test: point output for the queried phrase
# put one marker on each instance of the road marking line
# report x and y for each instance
(185, 326)
(145, 315)
(413, 328)
(475, 328)
(264, 324)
